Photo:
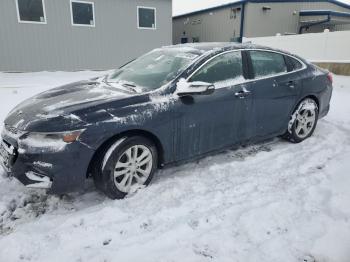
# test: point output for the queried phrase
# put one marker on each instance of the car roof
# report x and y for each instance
(209, 46)
(217, 47)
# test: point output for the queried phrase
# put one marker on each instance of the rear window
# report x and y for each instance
(293, 64)
(267, 63)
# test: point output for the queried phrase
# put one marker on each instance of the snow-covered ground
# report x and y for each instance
(274, 201)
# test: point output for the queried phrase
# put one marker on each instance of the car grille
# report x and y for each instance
(12, 129)
(8, 155)
(11, 132)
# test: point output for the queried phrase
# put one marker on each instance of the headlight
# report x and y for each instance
(67, 137)
(47, 142)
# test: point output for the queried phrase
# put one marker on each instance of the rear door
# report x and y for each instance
(274, 91)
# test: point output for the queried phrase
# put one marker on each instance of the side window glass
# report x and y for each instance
(293, 64)
(223, 70)
(267, 63)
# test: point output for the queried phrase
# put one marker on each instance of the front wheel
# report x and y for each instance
(303, 122)
(127, 164)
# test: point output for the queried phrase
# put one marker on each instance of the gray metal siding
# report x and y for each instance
(215, 26)
(58, 45)
(282, 18)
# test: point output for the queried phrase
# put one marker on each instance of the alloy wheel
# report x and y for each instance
(133, 167)
(305, 122)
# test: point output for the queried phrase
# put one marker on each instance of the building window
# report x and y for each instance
(82, 13)
(195, 39)
(31, 11)
(146, 17)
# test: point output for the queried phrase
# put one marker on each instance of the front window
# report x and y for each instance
(146, 17)
(267, 63)
(155, 69)
(223, 70)
(31, 11)
(82, 13)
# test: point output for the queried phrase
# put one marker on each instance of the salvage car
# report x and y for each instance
(171, 105)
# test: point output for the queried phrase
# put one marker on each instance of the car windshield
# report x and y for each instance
(154, 69)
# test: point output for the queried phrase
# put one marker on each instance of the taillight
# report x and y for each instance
(330, 77)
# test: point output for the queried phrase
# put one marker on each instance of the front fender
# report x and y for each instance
(152, 118)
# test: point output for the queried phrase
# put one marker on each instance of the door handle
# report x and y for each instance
(243, 93)
(291, 84)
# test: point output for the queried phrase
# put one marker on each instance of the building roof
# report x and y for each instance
(323, 12)
(239, 2)
(332, 18)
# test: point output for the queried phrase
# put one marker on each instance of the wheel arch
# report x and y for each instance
(313, 97)
(134, 132)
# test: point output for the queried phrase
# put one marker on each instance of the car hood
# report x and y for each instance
(64, 106)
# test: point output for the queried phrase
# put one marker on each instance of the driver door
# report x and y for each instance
(205, 123)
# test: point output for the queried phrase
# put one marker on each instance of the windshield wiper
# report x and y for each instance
(130, 86)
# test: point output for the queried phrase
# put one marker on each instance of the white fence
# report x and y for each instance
(318, 47)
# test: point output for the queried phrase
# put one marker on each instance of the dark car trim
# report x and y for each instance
(249, 66)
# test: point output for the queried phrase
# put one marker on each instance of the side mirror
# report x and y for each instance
(184, 88)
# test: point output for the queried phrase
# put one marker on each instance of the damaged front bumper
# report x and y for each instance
(59, 168)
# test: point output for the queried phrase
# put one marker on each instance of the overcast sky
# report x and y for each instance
(186, 6)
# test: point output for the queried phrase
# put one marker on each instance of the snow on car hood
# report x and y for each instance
(61, 103)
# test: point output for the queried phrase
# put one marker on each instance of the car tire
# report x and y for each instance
(124, 164)
(303, 121)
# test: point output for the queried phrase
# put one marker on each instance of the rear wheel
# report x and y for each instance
(125, 165)
(303, 121)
